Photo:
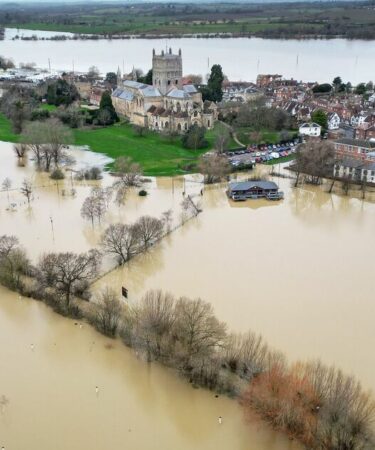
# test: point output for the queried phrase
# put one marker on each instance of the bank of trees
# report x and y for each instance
(256, 115)
(315, 404)
(315, 159)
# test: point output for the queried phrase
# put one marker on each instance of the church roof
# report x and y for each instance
(178, 93)
(133, 84)
(150, 91)
(190, 88)
(145, 89)
(124, 94)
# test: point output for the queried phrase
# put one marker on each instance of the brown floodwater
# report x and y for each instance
(296, 271)
(49, 370)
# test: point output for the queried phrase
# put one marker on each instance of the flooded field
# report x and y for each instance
(297, 271)
(302, 59)
(52, 401)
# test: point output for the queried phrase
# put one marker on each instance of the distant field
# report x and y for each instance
(350, 19)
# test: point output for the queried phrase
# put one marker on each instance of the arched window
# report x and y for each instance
(178, 107)
(185, 126)
(166, 124)
(156, 125)
(176, 81)
(195, 113)
(208, 123)
(179, 127)
(187, 106)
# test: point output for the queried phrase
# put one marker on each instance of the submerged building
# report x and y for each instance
(167, 104)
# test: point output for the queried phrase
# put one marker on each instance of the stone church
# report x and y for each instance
(168, 104)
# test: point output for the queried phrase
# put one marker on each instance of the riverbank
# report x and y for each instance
(278, 20)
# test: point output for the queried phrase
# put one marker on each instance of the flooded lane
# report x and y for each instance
(52, 403)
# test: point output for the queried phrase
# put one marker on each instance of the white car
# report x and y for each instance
(275, 155)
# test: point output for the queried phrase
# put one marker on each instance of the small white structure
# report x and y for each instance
(310, 129)
(333, 120)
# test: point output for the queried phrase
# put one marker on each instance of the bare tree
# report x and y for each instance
(47, 141)
(245, 354)
(27, 189)
(33, 136)
(107, 313)
(154, 321)
(149, 229)
(129, 172)
(167, 220)
(214, 167)
(222, 137)
(20, 150)
(95, 205)
(6, 185)
(13, 262)
(194, 79)
(197, 330)
(315, 159)
(68, 272)
(121, 240)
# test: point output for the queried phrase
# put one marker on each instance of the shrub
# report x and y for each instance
(57, 174)
(142, 193)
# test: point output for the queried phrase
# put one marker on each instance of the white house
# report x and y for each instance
(360, 119)
(310, 129)
(333, 120)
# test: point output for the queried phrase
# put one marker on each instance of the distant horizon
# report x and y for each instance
(78, 2)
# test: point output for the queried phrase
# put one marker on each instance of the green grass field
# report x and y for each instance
(153, 152)
(6, 133)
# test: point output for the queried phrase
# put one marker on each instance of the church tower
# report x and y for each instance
(166, 71)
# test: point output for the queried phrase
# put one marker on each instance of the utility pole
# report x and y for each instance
(53, 232)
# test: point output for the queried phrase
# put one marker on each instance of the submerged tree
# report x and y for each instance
(27, 189)
(13, 262)
(214, 167)
(121, 240)
(68, 272)
(106, 316)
